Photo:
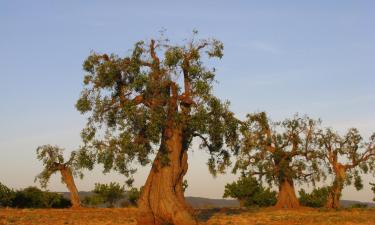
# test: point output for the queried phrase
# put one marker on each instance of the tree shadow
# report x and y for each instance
(204, 215)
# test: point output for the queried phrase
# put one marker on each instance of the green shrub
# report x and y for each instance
(6, 196)
(110, 193)
(250, 193)
(33, 197)
(317, 198)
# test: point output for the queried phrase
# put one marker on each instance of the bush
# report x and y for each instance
(33, 197)
(250, 193)
(317, 198)
(133, 196)
(6, 196)
(110, 193)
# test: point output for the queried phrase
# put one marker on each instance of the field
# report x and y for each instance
(267, 216)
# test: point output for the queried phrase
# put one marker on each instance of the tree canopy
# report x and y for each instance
(130, 99)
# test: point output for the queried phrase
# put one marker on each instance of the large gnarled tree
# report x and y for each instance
(154, 102)
(279, 153)
(53, 161)
(346, 157)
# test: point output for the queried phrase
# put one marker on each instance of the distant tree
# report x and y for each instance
(373, 189)
(249, 192)
(53, 161)
(346, 157)
(281, 153)
(6, 196)
(316, 199)
(110, 193)
(155, 102)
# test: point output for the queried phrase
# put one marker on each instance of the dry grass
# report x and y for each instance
(206, 217)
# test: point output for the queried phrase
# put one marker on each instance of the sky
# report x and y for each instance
(282, 57)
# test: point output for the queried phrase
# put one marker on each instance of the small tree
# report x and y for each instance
(110, 193)
(281, 153)
(53, 161)
(317, 198)
(346, 157)
(6, 196)
(250, 192)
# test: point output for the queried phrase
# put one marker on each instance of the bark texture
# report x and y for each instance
(287, 197)
(67, 177)
(162, 200)
(334, 195)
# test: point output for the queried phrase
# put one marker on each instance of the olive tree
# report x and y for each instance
(346, 158)
(53, 161)
(154, 103)
(280, 153)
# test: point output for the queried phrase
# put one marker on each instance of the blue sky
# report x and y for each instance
(313, 57)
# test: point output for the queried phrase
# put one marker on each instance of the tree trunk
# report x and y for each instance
(162, 200)
(333, 200)
(67, 177)
(287, 197)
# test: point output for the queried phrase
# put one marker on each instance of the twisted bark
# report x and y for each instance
(287, 197)
(162, 200)
(333, 200)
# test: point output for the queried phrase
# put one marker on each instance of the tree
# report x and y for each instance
(110, 193)
(250, 192)
(346, 157)
(6, 196)
(317, 198)
(53, 161)
(281, 153)
(155, 102)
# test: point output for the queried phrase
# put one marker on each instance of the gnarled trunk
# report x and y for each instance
(67, 177)
(333, 200)
(287, 197)
(162, 199)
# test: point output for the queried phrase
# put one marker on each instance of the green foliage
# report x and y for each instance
(131, 100)
(93, 200)
(133, 195)
(250, 193)
(348, 151)
(32, 197)
(110, 193)
(6, 196)
(316, 199)
(53, 160)
(278, 151)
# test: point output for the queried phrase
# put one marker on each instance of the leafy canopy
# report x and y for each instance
(350, 153)
(131, 100)
(53, 161)
(279, 151)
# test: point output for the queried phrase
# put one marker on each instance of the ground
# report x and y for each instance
(268, 216)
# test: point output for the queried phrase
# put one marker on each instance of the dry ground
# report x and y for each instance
(267, 216)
